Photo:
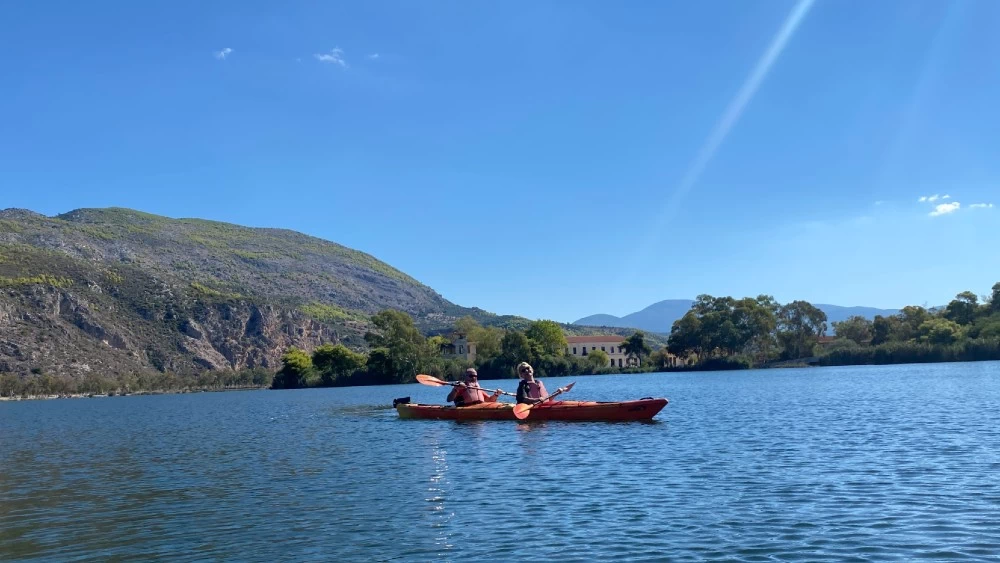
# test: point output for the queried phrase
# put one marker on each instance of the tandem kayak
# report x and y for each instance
(582, 411)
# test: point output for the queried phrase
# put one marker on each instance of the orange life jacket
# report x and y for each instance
(468, 396)
(529, 389)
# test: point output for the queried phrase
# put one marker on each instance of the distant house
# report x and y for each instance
(459, 348)
(611, 345)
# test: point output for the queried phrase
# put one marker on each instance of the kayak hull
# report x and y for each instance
(580, 411)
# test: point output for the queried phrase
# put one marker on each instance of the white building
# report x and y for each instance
(611, 345)
(461, 348)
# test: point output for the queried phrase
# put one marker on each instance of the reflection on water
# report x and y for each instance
(824, 464)
(437, 490)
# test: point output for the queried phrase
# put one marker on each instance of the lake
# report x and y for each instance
(851, 463)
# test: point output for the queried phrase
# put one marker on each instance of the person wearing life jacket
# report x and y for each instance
(529, 389)
(468, 393)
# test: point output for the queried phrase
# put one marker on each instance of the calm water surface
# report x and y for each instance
(860, 463)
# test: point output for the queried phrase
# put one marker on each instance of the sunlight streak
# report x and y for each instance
(726, 123)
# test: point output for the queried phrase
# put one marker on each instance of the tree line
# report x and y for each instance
(724, 332)
(398, 351)
(46, 384)
(728, 332)
(967, 329)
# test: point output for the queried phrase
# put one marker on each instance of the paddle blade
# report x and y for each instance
(570, 386)
(521, 411)
(430, 380)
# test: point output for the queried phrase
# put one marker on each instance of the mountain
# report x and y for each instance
(660, 316)
(117, 291)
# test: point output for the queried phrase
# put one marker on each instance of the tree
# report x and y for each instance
(468, 326)
(598, 359)
(336, 362)
(406, 347)
(856, 328)
(882, 329)
(995, 298)
(635, 346)
(962, 309)
(911, 317)
(10, 385)
(685, 336)
(940, 331)
(549, 336)
(756, 323)
(516, 348)
(380, 367)
(296, 370)
(488, 343)
(800, 326)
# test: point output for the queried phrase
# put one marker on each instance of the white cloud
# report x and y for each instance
(945, 208)
(335, 56)
(946, 196)
(373, 57)
(981, 206)
(221, 55)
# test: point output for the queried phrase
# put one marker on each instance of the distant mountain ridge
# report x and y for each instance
(660, 316)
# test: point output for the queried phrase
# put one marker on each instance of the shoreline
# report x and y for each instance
(134, 394)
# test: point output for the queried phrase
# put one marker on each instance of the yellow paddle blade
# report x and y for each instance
(521, 411)
(430, 380)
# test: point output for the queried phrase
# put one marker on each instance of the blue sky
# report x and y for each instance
(547, 159)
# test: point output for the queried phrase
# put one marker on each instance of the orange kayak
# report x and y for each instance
(642, 409)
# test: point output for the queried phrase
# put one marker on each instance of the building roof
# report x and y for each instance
(594, 339)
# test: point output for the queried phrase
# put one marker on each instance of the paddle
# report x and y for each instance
(521, 410)
(435, 382)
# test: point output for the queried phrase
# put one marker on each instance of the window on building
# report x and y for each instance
(612, 363)
(602, 349)
(461, 349)
(574, 350)
(584, 350)
(619, 362)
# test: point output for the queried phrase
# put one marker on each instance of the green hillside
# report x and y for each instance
(117, 291)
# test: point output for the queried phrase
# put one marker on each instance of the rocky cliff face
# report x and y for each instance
(118, 291)
(68, 332)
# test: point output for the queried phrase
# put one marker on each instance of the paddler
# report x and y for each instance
(529, 389)
(468, 393)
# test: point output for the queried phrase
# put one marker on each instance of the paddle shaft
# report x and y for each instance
(455, 384)
(435, 382)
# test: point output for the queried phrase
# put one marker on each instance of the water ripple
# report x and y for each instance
(842, 464)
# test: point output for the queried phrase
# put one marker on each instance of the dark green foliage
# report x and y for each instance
(856, 328)
(800, 324)
(964, 331)
(296, 370)
(549, 337)
(336, 363)
(635, 346)
(723, 327)
(915, 352)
